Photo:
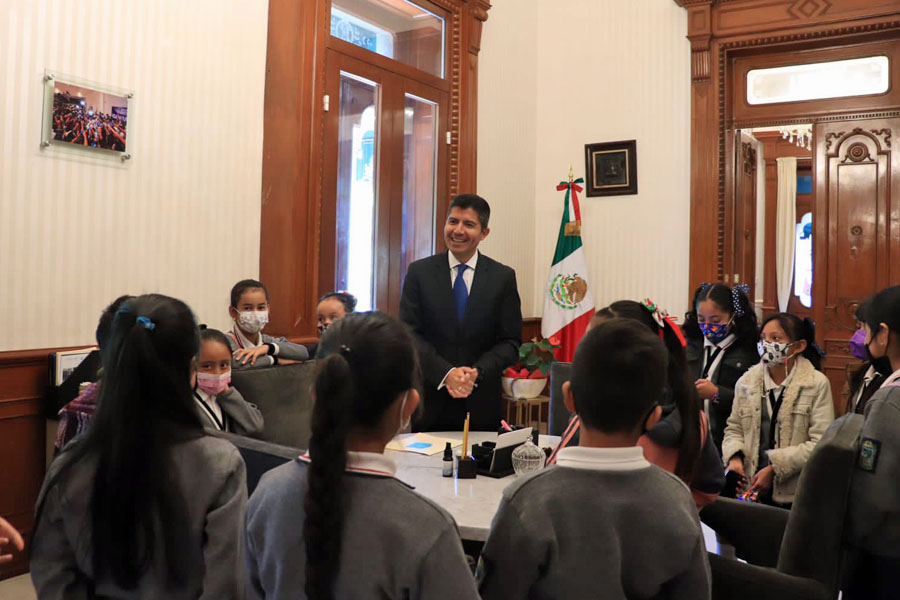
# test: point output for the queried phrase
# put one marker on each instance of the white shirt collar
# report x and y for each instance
(870, 375)
(892, 378)
(209, 399)
(726, 341)
(770, 384)
(242, 339)
(368, 463)
(602, 459)
(470, 263)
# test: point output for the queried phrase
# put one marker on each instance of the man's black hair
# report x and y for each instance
(476, 203)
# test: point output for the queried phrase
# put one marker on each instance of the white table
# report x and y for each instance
(471, 502)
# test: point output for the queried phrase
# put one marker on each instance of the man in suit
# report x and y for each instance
(465, 311)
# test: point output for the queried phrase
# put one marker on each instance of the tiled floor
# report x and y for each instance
(17, 588)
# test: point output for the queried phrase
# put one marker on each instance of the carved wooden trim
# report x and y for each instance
(886, 133)
(806, 120)
(455, 97)
(748, 157)
(728, 45)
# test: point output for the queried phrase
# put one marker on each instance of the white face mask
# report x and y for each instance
(252, 321)
(773, 353)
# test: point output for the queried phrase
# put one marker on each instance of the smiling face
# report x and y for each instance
(463, 233)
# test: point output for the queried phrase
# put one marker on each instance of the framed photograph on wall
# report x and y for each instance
(85, 117)
(611, 168)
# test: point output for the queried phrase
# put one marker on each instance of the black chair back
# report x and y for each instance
(259, 456)
(560, 372)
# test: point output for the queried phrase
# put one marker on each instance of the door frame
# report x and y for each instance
(393, 86)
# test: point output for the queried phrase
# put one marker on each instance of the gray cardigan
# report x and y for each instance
(396, 544)
(212, 475)
(580, 533)
(874, 515)
(243, 418)
(285, 349)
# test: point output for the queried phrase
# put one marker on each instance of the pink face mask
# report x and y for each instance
(213, 384)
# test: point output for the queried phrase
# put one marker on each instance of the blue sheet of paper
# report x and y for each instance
(419, 445)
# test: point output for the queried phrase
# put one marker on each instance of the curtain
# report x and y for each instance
(785, 229)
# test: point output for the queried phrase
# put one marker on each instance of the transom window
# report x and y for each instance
(818, 81)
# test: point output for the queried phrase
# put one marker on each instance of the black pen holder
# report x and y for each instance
(493, 462)
(466, 467)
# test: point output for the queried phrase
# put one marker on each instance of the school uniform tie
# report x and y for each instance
(460, 292)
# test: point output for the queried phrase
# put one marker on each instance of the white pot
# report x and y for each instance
(523, 388)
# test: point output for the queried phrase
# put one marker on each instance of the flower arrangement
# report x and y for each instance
(535, 358)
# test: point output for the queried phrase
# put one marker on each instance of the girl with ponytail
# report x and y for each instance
(335, 523)
(143, 505)
(679, 443)
(782, 406)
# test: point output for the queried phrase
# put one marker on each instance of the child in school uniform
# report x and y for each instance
(143, 505)
(220, 406)
(680, 443)
(867, 380)
(332, 306)
(335, 523)
(873, 516)
(250, 346)
(782, 406)
(722, 333)
(603, 522)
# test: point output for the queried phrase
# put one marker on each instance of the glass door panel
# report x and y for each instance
(357, 177)
(420, 146)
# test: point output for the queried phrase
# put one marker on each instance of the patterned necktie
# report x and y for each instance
(460, 292)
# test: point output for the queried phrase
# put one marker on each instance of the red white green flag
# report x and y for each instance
(568, 302)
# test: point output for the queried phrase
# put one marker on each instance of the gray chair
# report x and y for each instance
(259, 456)
(284, 397)
(560, 372)
(797, 553)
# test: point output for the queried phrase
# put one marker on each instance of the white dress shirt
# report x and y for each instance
(468, 274)
(211, 403)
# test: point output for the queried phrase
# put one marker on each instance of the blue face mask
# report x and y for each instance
(715, 332)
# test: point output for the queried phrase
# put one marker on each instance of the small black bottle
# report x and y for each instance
(448, 461)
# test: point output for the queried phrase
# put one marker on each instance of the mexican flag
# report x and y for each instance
(568, 302)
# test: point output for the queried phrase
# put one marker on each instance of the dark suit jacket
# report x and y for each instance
(737, 358)
(487, 339)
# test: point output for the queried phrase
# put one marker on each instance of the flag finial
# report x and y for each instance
(571, 174)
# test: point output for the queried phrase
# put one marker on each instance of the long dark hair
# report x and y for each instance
(145, 406)
(735, 302)
(369, 361)
(679, 382)
(799, 329)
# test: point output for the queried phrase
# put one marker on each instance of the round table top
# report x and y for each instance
(471, 502)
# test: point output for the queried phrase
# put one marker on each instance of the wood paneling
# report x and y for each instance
(24, 378)
(856, 219)
(295, 251)
(742, 29)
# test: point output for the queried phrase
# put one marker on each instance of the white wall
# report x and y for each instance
(600, 70)
(183, 217)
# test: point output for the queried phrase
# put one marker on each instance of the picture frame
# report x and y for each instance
(86, 118)
(65, 361)
(611, 168)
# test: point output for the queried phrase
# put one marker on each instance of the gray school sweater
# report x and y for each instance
(284, 349)
(584, 533)
(396, 544)
(211, 474)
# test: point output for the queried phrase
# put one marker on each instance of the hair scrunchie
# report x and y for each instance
(736, 298)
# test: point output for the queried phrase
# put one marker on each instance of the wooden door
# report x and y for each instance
(745, 212)
(856, 226)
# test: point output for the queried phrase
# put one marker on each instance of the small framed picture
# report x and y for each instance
(611, 168)
(66, 361)
(85, 117)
